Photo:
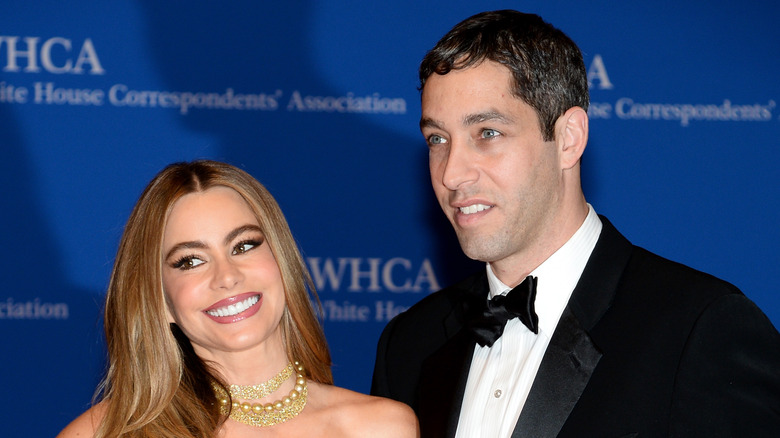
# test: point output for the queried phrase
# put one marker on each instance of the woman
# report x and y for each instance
(207, 303)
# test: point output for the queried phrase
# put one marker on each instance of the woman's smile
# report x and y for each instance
(236, 308)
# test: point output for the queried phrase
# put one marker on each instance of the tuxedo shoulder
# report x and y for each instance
(641, 289)
(442, 303)
(652, 271)
(666, 274)
(428, 324)
(672, 298)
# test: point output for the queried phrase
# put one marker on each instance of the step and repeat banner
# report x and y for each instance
(318, 100)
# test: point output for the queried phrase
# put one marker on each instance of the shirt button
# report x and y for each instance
(497, 394)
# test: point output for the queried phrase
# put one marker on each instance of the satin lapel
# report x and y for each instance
(572, 356)
(444, 373)
(442, 385)
(563, 374)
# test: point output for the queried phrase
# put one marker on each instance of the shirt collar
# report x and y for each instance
(559, 274)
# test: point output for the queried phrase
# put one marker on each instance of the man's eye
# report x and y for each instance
(187, 262)
(436, 139)
(490, 133)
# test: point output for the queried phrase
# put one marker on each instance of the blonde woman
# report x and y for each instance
(210, 328)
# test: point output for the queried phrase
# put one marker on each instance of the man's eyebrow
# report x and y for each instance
(473, 119)
(469, 120)
(427, 122)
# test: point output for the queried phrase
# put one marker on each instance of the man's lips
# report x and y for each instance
(473, 208)
(469, 213)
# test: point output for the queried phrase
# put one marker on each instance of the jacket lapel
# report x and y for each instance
(572, 356)
(444, 374)
(442, 385)
(563, 374)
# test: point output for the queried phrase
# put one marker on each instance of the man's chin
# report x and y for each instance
(477, 249)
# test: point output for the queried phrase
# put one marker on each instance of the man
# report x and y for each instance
(618, 341)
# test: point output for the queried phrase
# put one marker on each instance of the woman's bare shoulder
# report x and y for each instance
(85, 424)
(365, 415)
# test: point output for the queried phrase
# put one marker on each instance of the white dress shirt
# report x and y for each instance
(501, 376)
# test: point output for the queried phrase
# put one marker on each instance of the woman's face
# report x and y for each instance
(221, 281)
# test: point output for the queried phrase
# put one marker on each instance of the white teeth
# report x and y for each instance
(236, 308)
(473, 208)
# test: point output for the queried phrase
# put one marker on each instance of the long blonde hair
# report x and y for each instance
(155, 385)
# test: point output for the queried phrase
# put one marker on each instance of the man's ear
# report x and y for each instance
(571, 135)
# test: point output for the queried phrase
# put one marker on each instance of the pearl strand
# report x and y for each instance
(268, 414)
(262, 390)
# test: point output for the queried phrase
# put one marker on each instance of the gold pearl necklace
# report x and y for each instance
(268, 414)
(255, 392)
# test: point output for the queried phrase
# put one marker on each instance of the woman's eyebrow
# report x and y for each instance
(242, 229)
(195, 244)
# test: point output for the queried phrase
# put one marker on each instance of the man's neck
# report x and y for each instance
(514, 269)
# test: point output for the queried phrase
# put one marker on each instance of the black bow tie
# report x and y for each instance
(518, 303)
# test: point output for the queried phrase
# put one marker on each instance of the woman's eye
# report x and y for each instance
(436, 139)
(245, 247)
(187, 262)
(490, 133)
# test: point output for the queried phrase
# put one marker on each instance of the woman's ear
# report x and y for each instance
(168, 312)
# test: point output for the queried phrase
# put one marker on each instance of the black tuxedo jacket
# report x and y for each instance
(645, 347)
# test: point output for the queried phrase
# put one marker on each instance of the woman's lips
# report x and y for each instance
(235, 308)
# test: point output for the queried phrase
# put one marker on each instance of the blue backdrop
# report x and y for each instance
(318, 100)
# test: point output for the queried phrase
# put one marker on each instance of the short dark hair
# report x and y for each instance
(547, 66)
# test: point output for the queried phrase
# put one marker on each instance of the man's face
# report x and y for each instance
(497, 180)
